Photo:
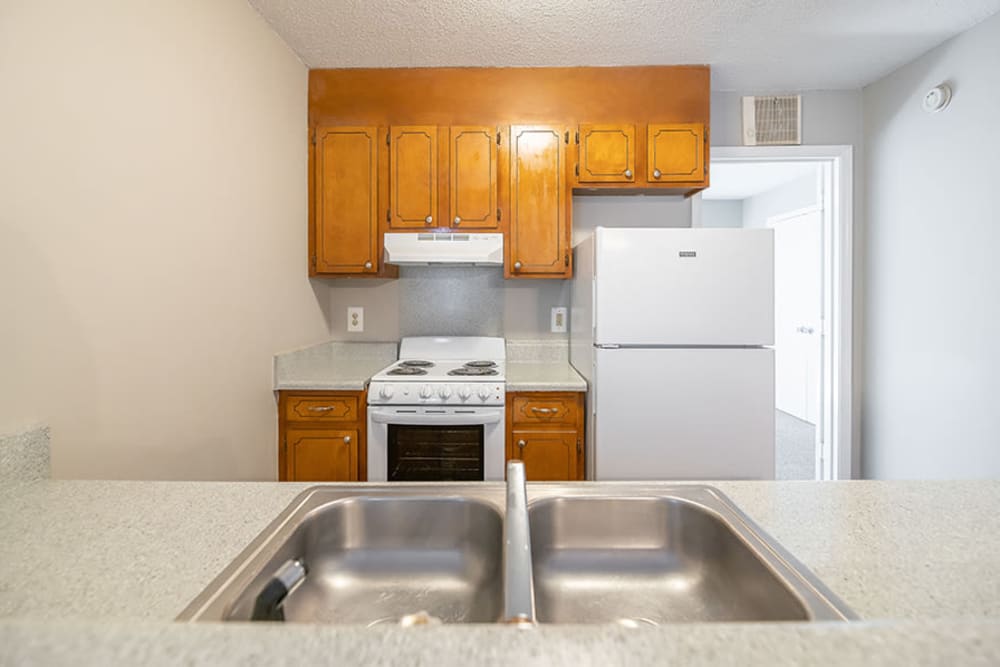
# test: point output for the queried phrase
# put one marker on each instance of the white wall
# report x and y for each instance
(721, 213)
(829, 118)
(152, 233)
(932, 368)
(800, 193)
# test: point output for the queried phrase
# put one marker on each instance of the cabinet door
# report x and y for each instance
(607, 154)
(547, 455)
(321, 455)
(676, 153)
(346, 190)
(539, 232)
(413, 183)
(473, 177)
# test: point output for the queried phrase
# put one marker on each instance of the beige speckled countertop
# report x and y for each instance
(94, 572)
(532, 366)
(332, 366)
(543, 376)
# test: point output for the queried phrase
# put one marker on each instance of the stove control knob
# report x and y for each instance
(426, 391)
(484, 392)
(444, 392)
(386, 391)
(464, 393)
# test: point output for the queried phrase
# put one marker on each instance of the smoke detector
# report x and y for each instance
(937, 98)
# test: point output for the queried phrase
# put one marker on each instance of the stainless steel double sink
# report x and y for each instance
(629, 553)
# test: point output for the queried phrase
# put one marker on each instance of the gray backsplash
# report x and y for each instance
(455, 301)
(477, 301)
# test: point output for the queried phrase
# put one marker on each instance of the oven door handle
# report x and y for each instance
(423, 419)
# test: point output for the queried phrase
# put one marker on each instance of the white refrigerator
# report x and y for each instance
(671, 329)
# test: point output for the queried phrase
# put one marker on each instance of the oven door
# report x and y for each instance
(440, 444)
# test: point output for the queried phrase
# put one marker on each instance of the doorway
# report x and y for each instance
(804, 194)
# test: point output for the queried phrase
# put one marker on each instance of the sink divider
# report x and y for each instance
(518, 581)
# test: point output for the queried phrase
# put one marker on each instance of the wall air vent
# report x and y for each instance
(774, 120)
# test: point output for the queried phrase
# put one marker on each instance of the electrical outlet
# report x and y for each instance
(355, 318)
(558, 320)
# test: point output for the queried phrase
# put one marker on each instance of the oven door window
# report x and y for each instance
(435, 453)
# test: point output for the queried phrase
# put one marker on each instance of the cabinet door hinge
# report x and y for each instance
(577, 169)
(388, 138)
(579, 447)
(498, 136)
(578, 136)
(388, 215)
(567, 136)
(566, 258)
(312, 262)
(314, 137)
(498, 215)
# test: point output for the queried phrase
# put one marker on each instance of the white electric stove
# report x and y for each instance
(437, 414)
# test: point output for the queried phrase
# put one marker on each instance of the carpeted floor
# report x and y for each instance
(794, 447)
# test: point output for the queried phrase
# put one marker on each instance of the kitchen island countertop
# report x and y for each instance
(95, 571)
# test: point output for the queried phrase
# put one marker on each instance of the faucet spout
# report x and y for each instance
(519, 594)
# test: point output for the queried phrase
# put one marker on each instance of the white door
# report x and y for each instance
(683, 286)
(798, 269)
(683, 413)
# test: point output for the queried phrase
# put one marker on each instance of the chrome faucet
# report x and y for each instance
(519, 594)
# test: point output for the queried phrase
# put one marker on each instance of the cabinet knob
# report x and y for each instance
(522, 444)
(517, 266)
(657, 173)
(628, 173)
(368, 265)
(429, 219)
(457, 221)
(347, 439)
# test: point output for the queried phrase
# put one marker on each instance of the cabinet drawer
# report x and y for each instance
(322, 408)
(560, 409)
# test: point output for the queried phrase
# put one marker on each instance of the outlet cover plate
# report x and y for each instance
(355, 319)
(558, 320)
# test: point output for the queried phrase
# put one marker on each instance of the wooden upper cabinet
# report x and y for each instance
(472, 177)
(676, 153)
(413, 181)
(607, 154)
(538, 242)
(346, 234)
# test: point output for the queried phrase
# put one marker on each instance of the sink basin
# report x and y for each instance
(635, 553)
(373, 560)
(685, 556)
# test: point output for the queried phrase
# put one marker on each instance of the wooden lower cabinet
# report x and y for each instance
(321, 436)
(321, 455)
(545, 430)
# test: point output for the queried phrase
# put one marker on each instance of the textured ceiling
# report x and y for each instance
(762, 45)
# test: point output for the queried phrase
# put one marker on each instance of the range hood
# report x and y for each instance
(427, 249)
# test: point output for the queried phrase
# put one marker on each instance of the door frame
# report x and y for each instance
(839, 447)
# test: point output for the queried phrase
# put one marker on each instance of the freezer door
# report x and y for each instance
(684, 286)
(669, 414)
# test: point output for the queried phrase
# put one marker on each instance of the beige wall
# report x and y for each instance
(152, 233)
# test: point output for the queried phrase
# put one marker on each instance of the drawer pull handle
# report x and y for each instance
(320, 408)
(545, 411)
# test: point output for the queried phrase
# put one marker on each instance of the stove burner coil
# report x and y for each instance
(407, 370)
